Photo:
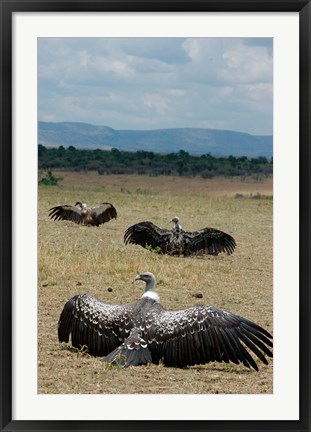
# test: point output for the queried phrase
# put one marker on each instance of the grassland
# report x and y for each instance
(75, 259)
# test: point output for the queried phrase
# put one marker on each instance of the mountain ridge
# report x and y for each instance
(196, 141)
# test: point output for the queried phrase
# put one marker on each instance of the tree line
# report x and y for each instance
(153, 164)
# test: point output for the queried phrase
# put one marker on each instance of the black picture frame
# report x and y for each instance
(8, 7)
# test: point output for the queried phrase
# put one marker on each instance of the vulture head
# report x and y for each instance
(177, 225)
(150, 280)
(175, 219)
(80, 204)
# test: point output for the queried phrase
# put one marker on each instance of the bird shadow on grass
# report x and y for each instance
(83, 351)
(237, 371)
(79, 351)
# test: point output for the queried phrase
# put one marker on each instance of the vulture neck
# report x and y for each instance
(149, 291)
(177, 227)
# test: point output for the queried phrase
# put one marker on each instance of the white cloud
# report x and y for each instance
(48, 118)
(225, 91)
(84, 58)
(192, 47)
(155, 101)
(247, 64)
(177, 92)
(140, 83)
(258, 96)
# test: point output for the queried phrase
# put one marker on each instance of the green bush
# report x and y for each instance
(156, 250)
(50, 179)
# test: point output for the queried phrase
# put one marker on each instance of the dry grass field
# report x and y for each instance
(75, 259)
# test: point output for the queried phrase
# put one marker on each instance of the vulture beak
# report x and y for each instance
(137, 278)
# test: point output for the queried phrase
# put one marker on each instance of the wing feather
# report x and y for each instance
(146, 233)
(208, 240)
(104, 213)
(99, 326)
(230, 348)
(202, 334)
(222, 344)
(66, 212)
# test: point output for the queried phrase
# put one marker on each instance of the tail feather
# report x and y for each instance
(132, 352)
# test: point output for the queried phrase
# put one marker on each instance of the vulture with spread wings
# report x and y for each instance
(84, 215)
(176, 241)
(144, 332)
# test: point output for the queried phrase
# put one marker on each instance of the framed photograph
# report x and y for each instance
(145, 111)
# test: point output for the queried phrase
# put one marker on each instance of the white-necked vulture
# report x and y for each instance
(84, 215)
(209, 241)
(144, 332)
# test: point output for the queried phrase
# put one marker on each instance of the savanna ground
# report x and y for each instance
(75, 259)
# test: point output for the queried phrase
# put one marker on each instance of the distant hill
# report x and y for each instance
(195, 141)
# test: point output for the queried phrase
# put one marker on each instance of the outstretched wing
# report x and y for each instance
(203, 334)
(208, 240)
(104, 213)
(66, 212)
(99, 326)
(147, 234)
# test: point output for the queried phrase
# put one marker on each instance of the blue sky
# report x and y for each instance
(155, 83)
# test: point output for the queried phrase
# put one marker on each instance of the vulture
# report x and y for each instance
(84, 215)
(144, 332)
(209, 241)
